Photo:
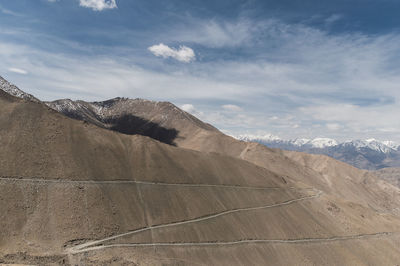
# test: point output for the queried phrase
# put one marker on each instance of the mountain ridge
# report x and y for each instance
(321, 142)
(15, 91)
(370, 154)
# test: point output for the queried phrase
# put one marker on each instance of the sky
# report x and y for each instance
(292, 68)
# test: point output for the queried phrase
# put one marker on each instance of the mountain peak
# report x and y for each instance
(323, 142)
(15, 91)
(250, 137)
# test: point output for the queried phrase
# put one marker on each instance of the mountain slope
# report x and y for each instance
(135, 116)
(75, 193)
(196, 135)
(391, 175)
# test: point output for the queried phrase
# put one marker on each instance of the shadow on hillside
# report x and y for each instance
(133, 125)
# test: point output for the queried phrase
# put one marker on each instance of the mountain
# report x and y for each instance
(133, 116)
(87, 192)
(15, 91)
(368, 154)
(191, 133)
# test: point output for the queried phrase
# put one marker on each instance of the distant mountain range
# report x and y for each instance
(370, 154)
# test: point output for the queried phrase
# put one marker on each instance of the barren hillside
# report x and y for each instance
(390, 175)
(72, 192)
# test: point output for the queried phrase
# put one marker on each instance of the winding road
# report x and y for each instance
(98, 244)
(82, 247)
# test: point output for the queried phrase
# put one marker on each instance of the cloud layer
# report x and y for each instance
(183, 54)
(251, 76)
(97, 5)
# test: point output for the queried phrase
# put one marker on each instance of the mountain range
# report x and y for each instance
(370, 154)
(137, 182)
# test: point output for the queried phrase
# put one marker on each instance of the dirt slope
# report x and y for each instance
(391, 175)
(74, 193)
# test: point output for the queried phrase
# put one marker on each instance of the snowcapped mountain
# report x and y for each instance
(257, 138)
(366, 154)
(391, 144)
(373, 144)
(323, 142)
(14, 91)
(300, 142)
(272, 139)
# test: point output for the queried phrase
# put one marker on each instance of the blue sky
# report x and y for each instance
(310, 68)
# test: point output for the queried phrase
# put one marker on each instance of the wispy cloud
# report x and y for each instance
(18, 70)
(183, 54)
(97, 5)
(297, 82)
(214, 33)
(9, 12)
(231, 107)
(333, 18)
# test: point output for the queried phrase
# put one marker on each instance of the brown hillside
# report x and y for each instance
(74, 193)
(390, 175)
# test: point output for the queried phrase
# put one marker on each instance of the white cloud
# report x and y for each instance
(192, 110)
(231, 108)
(188, 108)
(183, 54)
(98, 5)
(18, 70)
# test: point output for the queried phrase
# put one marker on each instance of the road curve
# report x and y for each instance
(78, 248)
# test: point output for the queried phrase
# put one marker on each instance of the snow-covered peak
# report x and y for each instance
(391, 144)
(62, 105)
(323, 142)
(264, 138)
(373, 144)
(14, 91)
(378, 146)
(300, 142)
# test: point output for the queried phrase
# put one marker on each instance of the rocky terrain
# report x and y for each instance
(135, 182)
(368, 154)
